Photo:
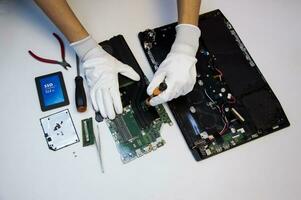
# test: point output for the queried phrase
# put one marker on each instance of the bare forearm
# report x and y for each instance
(62, 16)
(188, 11)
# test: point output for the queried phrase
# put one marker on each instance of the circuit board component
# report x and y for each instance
(131, 140)
(87, 132)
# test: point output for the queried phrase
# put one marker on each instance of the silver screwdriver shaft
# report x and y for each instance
(98, 146)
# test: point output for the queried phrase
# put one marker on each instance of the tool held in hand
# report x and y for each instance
(80, 95)
(63, 63)
(98, 117)
(99, 150)
(156, 92)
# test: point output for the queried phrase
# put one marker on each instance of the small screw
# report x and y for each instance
(192, 109)
(200, 82)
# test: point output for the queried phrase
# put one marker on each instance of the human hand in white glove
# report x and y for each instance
(101, 71)
(178, 69)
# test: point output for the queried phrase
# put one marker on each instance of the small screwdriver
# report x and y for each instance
(80, 95)
(156, 92)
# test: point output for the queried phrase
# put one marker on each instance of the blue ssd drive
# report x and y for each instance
(52, 91)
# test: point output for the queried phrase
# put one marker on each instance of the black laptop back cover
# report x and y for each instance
(231, 102)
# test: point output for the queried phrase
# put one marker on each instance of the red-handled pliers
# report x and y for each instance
(63, 63)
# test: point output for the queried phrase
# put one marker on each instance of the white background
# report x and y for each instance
(268, 168)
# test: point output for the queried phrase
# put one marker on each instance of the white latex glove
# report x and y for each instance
(178, 69)
(101, 72)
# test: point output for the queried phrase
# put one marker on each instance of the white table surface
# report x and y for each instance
(268, 168)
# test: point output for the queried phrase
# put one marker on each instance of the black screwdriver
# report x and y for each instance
(80, 95)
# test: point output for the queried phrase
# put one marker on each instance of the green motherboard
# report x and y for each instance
(133, 141)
